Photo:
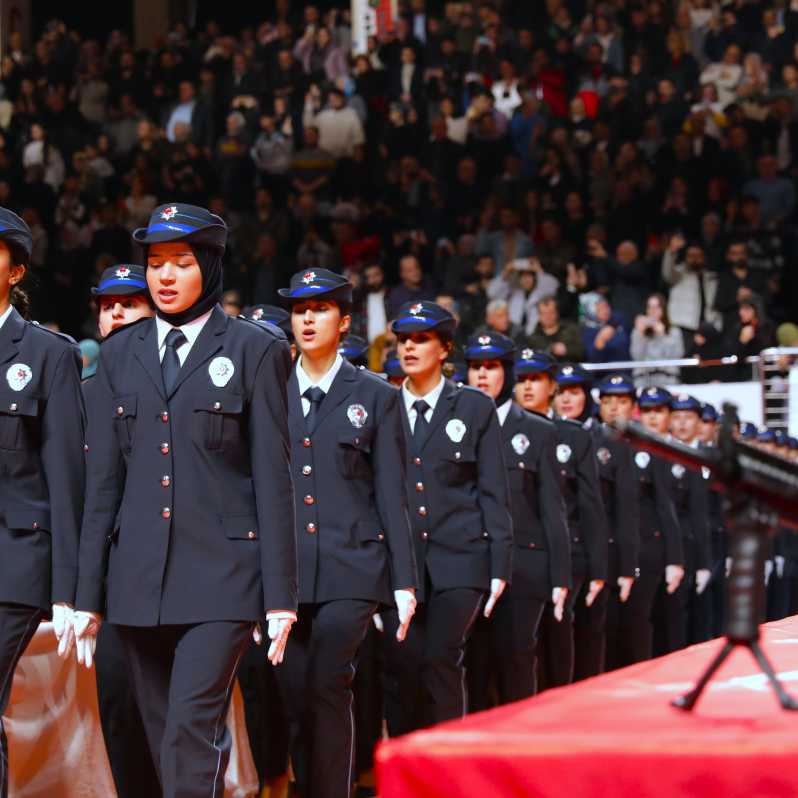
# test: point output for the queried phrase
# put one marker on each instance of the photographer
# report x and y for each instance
(603, 334)
(521, 284)
(653, 338)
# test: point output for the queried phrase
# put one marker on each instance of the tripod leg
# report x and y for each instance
(688, 700)
(785, 699)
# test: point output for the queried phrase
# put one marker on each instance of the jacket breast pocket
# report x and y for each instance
(125, 409)
(354, 454)
(459, 466)
(218, 419)
(28, 520)
(240, 527)
(522, 472)
(18, 422)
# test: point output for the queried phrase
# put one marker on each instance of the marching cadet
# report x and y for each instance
(121, 298)
(188, 535)
(355, 350)
(41, 461)
(460, 513)
(392, 368)
(279, 317)
(620, 500)
(505, 644)
(355, 546)
(661, 551)
(587, 522)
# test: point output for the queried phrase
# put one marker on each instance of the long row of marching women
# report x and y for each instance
(412, 547)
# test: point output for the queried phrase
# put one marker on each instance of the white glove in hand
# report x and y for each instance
(673, 577)
(558, 596)
(728, 566)
(62, 626)
(257, 634)
(496, 589)
(279, 628)
(780, 563)
(87, 625)
(406, 607)
(768, 571)
(596, 586)
(376, 619)
(625, 584)
(702, 578)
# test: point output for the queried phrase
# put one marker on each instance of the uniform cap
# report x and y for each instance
(124, 279)
(423, 316)
(489, 346)
(180, 222)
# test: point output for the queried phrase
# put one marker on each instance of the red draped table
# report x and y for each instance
(617, 735)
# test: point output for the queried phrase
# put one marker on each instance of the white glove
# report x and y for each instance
(63, 628)
(376, 619)
(728, 566)
(406, 607)
(625, 584)
(257, 634)
(496, 589)
(673, 577)
(596, 586)
(558, 597)
(279, 629)
(702, 579)
(780, 563)
(768, 571)
(87, 625)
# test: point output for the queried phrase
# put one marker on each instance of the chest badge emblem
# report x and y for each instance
(520, 443)
(357, 415)
(221, 370)
(18, 376)
(456, 430)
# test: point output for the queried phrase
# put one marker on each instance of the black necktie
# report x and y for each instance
(314, 395)
(420, 430)
(170, 365)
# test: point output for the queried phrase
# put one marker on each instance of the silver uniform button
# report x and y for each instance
(13, 407)
(422, 511)
(164, 448)
(217, 405)
(307, 470)
(166, 481)
(166, 512)
(252, 534)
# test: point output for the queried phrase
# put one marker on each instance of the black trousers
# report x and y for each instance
(18, 624)
(590, 633)
(183, 679)
(630, 636)
(501, 653)
(425, 679)
(369, 700)
(123, 731)
(316, 680)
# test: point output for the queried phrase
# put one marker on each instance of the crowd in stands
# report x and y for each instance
(603, 180)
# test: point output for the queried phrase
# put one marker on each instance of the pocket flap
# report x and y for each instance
(125, 406)
(240, 527)
(13, 404)
(367, 531)
(222, 402)
(28, 518)
(462, 454)
(521, 462)
(356, 439)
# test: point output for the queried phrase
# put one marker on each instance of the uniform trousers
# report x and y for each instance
(316, 680)
(590, 633)
(671, 610)
(629, 628)
(123, 731)
(183, 680)
(369, 701)
(501, 653)
(18, 624)
(425, 679)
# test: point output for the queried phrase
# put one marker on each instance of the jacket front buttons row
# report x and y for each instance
(164, 448)
(217, 406)
(166, 481)
(422, 511)
(419, 486)
(164, 416)
(307, 470)
(166, 512)
(521, 465)
(35, 524)
(424, 535)
(13, 407)
(252, 534)
(311, 528)
(306, 442)
(120, 411)
(417, 460)
(309, 500)
(85, 447)
(484, 534)
(380, 536)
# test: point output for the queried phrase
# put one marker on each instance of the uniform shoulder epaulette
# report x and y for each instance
(68, 338)
(130, 326)
(264, 326)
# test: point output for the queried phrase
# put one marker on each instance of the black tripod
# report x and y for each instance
(749, 530)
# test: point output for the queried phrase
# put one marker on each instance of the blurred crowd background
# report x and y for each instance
(603, 180)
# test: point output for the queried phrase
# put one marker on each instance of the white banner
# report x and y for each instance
(371, 18)
(746, 395)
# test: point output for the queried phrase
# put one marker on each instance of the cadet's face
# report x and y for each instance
(10, 275)
(173, 276)
(117, 311)
(616, 408)
(684, 425)
(318, 325)
(488, 376)
(707, 431)
(656, 419)
(421, 354)
(533, 392)
(570, 401)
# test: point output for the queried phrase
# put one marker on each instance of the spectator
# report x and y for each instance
(561, 339)
(504, 245)
(322, 59)
(747, 336)
(653, 338)
(178, 125)
(521, 284)
(413, 286)
(624, 279)
(497, 319)
(272, 153)
(725, 75)
(776, 194)
(737, 282)
(604, 337)
(340, 129)
(39, 152)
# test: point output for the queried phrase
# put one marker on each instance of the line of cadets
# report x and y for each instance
(458, 545)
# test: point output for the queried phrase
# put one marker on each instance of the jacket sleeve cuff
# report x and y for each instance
(281, 615)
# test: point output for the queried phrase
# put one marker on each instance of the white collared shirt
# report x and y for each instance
(431, 399)
(191, 330)
(503, 410)
(325, 383)
(5, 315)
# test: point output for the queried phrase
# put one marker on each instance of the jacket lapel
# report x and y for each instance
(296, 419)
(443, 409)
(511, 422)
(342, 386)
(208, 343)
(10, 335)
(146, 352)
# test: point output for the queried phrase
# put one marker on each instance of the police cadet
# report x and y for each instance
(392, 368)
(355, 349)
(505, 644)
(573, 400)
(41, 470)
(587, 522)
(661, 552)
(271, 314)
(355, 547)
(121, 298)
(460, 512)
(188, 537)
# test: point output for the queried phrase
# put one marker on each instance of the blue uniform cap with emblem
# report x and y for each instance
(353, 348)
(683, 401)
(489, 346)
(180, 222)
(654, 397)
(278, 316)
(792, 442)
(748, 430)
(766, 435)
(616, 385)
(708, 412)
(124, 279)
(317, 284)
(14, 231)
(780, 437)
(423, 316)
(529, 361)
(571, 374)
(392, 367)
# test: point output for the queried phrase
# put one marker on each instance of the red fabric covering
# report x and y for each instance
(617, 735)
